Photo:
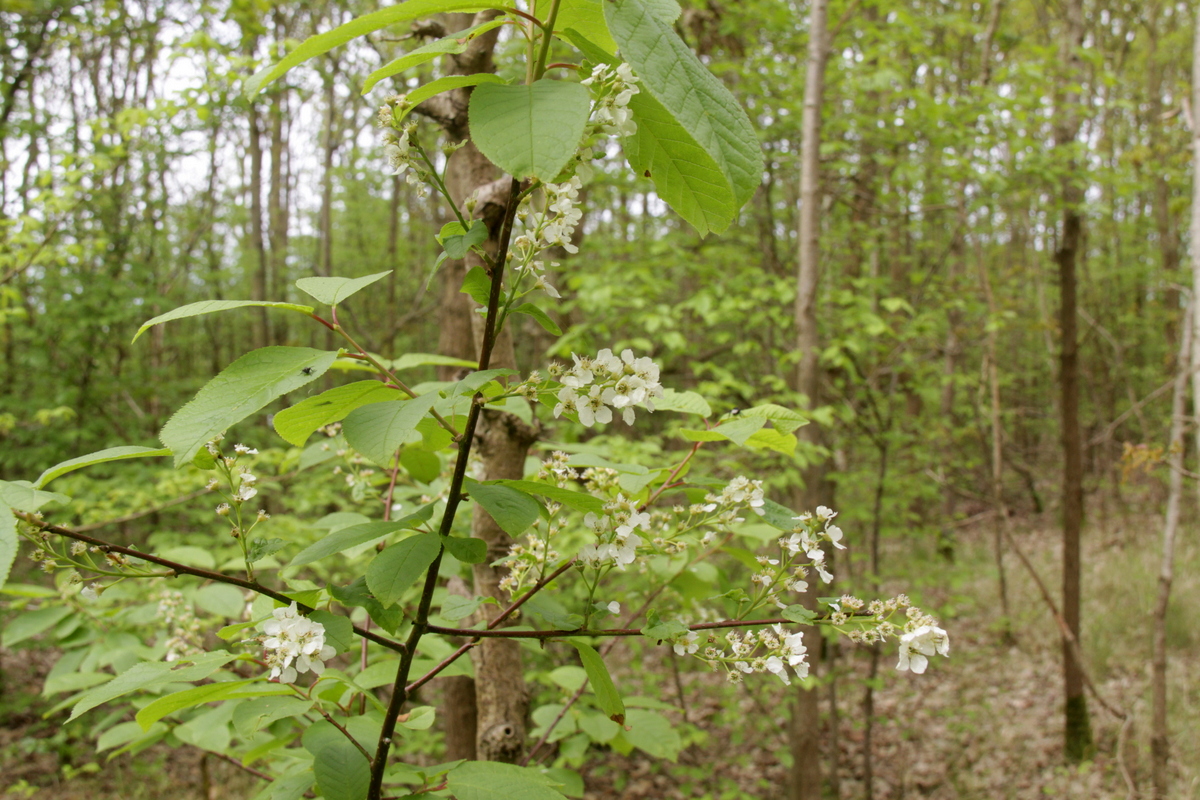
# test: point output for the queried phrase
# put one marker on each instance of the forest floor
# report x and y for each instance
(984, 724)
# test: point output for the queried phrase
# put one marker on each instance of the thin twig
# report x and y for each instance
(1063, 627)
(184, 569)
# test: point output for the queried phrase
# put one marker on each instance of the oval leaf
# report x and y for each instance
(332, 291)
(100, 457)
(361, 26)
(529, 130)
(343, 772)
(377, 430)
(241, 389)
(454, 43)
(398, 567)
(212, 306)
(469, 551)
(606, 693)
(302, 420)
(513, 510)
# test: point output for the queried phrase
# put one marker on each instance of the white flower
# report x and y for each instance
(614, 607)
(241, 448)
(775, 664)
(687, 644)
(89, 593)
(916, 646)
(834, 533)
(290, 638)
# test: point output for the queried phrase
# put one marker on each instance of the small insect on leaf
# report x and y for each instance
(307, 370)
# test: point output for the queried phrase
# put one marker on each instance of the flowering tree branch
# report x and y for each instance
(184, 569)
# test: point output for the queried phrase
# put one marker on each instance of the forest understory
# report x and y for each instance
(984, 724)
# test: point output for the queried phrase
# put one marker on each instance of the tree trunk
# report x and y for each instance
(502, 702)
(805, 728)
(1078, 744)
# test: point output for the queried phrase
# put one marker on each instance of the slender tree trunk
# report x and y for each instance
(992, 369)
(257, 242)
(501, 699)
(805, 727)
(1078, 744)
(1159, 731)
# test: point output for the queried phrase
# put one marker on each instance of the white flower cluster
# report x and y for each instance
(768, 650)
(617, 542)
(186, 636)
(614, 89)
(594, 384)
(295, 644)
(740, 493)
(921, 639)
(807, 537)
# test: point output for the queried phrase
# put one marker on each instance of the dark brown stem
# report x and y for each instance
(183, 569)
(345, 732)
(421, 623)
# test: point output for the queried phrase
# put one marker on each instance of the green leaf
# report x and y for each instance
(529, 130)
(23, 496)
(491, 780)
(149, 675)
(477, 285)
(798, 613)
(513, 510)
(586, 17)
(468, 551)
(221, 599)
(339, 630)
(446, 84)
(541, 316)
(606, 693)
(377, 430)
(476, 380)
(399, 566)
(771, 439)
(332, 291)
(241, 389)
(684, 402)
(343, 772)
(691, 95)
(599, 727)
(778, 516)
(358, 27)
(459, 244)
(456, 607)
(652, 733)
(297, 423)
(8, 543)
(593, 460)
(665, 631)
(593, 52)
(580, 501)
(739, 430)
(212, 306)
(785, 419)
(261, 547)
(346, 538)
(421, 465)
(685, 176)
(31, 623)
(419, 719)
(100, 457)
(256, 714)
(454, 43)
(411, 360)
(357, 594)
(197, 695)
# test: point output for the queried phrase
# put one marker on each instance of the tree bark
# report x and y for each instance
(1078, 744)
(805, 728)
(503, 441)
